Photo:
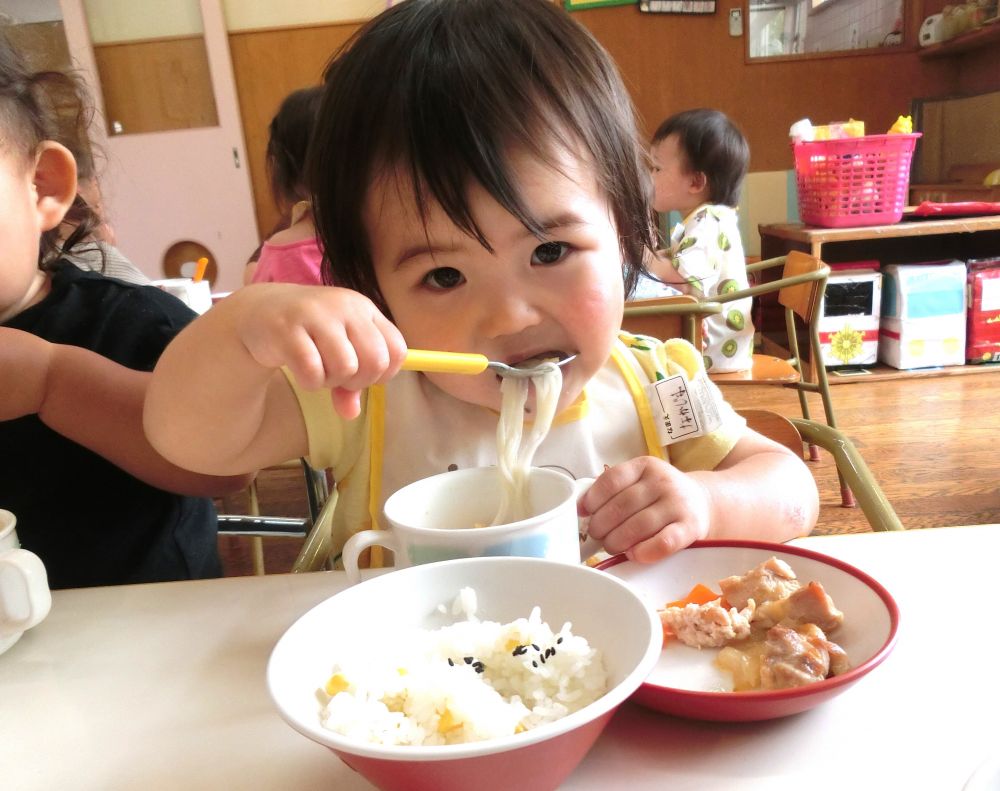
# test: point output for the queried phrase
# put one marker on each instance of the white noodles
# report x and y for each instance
(515, 452)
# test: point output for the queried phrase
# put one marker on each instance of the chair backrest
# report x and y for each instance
(774, 426)
(802, 299)
(314, 555)
(665, 317)
(792, 433)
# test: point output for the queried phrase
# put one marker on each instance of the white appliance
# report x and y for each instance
(931, 31)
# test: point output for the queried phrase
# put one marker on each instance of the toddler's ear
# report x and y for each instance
(698, 182)
(55, 183)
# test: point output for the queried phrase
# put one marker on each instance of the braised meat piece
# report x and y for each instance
(794, 658)
(810, 604)
(708, 625)
(772, 579)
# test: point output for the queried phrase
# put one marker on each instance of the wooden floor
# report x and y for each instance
(933, 443)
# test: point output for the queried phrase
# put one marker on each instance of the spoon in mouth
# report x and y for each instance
(461, 363)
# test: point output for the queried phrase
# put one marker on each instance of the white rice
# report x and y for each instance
(501, 679)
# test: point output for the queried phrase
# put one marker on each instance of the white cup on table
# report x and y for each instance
(25, 598)
(449, 516)
(196, 294)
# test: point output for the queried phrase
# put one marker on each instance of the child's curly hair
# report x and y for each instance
(448, 91)
(40, 106)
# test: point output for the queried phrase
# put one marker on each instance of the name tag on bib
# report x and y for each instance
(683, 409)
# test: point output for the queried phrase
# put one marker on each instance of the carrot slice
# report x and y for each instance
(699, 594)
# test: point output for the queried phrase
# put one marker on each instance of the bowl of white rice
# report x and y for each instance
(485, 673)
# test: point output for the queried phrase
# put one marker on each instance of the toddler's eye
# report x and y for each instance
(549, 253)
(443, 278)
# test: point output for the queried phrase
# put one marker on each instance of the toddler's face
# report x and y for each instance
(20, 229)
(559, 296)
(675, 187)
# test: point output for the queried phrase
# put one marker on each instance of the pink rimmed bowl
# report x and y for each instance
(602, 608)
(685, 682)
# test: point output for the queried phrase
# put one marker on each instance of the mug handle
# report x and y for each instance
(588, 546)
(29, 571)
(357, 544)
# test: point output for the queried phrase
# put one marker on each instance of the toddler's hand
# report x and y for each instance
(327, 337)
(647, 509)
(24, 368)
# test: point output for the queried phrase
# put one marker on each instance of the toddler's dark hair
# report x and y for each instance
(288, 141)
(448, 91)
(40, 106)
(713, 145)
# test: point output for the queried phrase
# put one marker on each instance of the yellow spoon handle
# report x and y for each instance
(444, 362)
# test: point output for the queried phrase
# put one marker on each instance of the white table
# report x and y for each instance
(162, 687)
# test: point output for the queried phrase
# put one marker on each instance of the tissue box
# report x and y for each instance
(982, 344)
(849, 318)
(923, 315)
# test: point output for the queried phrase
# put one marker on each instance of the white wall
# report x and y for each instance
(24, 12)
(253, 14)
(132, 20)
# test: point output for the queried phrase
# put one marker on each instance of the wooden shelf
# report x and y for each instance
(879, 372)
(798, 232)
(981, 37)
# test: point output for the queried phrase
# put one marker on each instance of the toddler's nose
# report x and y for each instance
(509, 313)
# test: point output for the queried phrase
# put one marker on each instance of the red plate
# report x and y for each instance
(685, 681)
(956, 209)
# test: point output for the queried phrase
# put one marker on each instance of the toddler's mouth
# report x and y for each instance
(549, 356)
(526, 364)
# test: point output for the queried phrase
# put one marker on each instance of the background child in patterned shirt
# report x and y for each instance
(700, 159)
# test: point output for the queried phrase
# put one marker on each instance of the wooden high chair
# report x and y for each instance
(851, 467)
(321, 502)
(800, 292)
(677, 316)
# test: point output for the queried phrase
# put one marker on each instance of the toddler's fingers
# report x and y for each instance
(296, 350)
(374, 358)
(395, 344)
(665, 542)
(646, 519)
(347, 403)
(610, 483)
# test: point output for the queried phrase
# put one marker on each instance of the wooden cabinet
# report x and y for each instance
(910, 241)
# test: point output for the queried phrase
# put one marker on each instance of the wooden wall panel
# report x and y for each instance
(156, 85)
(979, 71)
(42, 44)
(669, 63)
(674, 63)
(268, 65)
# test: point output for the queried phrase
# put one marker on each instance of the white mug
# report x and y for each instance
(196, 295)
(438, 518)
(25, 598)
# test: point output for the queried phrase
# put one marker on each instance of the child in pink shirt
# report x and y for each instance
(292, 255)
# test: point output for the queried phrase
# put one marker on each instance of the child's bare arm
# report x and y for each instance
(660, 264)
(96, 403)
(218, 402)
(649, 509)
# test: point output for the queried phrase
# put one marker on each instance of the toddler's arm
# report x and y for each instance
(218, 402)
(650, 509)
(661, 264)
(96, 403)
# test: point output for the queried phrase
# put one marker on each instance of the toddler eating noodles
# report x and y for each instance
(509, 229)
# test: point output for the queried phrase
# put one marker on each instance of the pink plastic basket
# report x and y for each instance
(854, 181)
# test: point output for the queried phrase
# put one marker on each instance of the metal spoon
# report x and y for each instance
(460, 363)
